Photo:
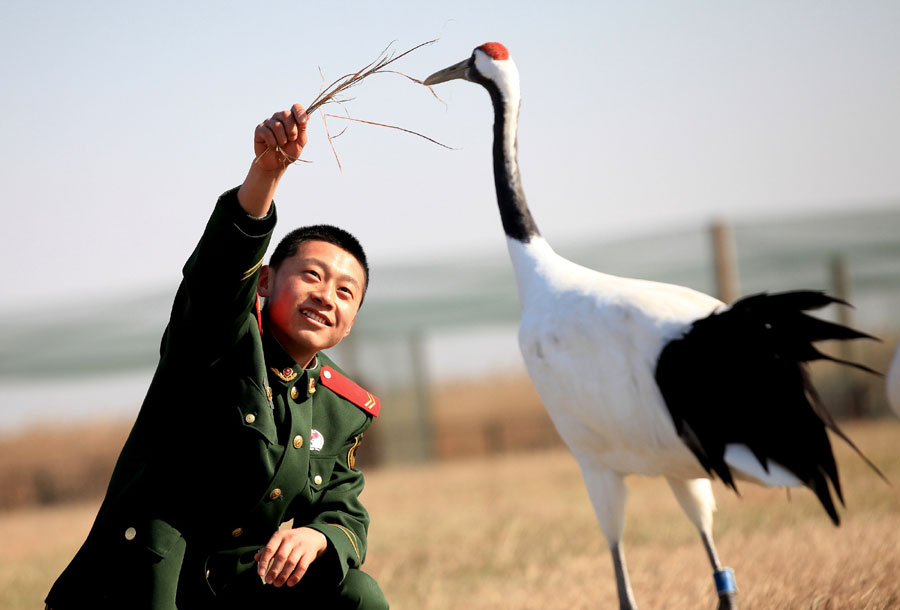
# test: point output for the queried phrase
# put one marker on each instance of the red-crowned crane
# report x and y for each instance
(648, 378)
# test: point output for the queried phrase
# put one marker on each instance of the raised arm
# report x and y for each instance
(277, 142)
(218, 292)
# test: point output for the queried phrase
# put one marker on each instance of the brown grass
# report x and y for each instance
(37, 545)
(517, 531)
(487, 417)
(42, 467)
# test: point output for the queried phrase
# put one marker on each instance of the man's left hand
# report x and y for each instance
(290, 552)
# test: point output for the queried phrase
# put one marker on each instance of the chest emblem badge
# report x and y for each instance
(316, 440)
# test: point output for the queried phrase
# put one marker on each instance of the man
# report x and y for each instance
(246, 426)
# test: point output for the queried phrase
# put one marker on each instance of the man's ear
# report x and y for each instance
(266, 277)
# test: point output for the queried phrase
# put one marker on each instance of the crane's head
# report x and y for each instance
(489, 64)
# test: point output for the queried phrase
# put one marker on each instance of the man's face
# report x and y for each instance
(313, 298)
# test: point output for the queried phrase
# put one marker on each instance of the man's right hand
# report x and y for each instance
(279, 140)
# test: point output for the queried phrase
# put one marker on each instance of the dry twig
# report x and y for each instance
(331, 141)
(342, 84)
(332, 94)
(415, 133)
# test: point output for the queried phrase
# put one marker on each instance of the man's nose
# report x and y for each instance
(324, 294)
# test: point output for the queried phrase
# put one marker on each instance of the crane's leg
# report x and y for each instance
(608, 494)
(696, 498)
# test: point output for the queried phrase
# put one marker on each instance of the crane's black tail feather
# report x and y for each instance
(828, 420)
(739, 377)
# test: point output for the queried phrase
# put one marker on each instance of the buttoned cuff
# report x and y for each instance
(328, 566)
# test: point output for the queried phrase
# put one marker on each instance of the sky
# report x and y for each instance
(123, 121)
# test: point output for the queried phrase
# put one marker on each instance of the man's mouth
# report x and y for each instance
(315, 317)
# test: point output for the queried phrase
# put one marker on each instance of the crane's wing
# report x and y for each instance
(738, 378)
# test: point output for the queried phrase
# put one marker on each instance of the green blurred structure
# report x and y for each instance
(403, 338)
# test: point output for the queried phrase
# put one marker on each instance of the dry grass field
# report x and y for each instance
(517, 531)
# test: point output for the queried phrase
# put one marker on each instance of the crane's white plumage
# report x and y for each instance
(654, 379)
(589, 340)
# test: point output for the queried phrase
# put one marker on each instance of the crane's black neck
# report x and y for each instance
(514, 213)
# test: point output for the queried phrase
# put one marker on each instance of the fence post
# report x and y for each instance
(726, 265)
(421, 395)
(840, 287)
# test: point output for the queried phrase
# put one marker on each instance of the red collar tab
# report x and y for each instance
(339, 384)
(258, 315)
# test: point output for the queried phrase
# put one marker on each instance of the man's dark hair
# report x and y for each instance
(288, 245)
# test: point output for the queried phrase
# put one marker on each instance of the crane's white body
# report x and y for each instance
(590, 342)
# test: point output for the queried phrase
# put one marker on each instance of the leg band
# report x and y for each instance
(725, 581)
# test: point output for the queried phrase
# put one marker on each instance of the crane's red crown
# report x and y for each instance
(495, 50)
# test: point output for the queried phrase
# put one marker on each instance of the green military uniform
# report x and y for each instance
(233, 439)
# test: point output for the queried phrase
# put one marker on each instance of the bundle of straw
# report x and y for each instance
(384, 59)
(333, 94)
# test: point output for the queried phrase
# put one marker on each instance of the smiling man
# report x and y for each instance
(246, 426)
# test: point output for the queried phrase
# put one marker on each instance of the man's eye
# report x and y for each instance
(312, 273)
(346, 290)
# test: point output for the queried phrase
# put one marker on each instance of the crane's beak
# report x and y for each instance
(460, 70)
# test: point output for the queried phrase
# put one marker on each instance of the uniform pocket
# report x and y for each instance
(320, 469)
(145, 564)
(254, 410)
(154, 535)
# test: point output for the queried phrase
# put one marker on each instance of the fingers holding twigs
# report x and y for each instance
(279, 140)
(300, 116)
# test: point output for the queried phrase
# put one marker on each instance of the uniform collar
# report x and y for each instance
(280, 365)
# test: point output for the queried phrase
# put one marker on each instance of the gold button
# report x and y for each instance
(298, 441)
(130, 533)
(295, 392)
(312, 385)
(207, 575)
(318, 479)
(269, 393)
(275, 494)
(237, 532)
(250, 418)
